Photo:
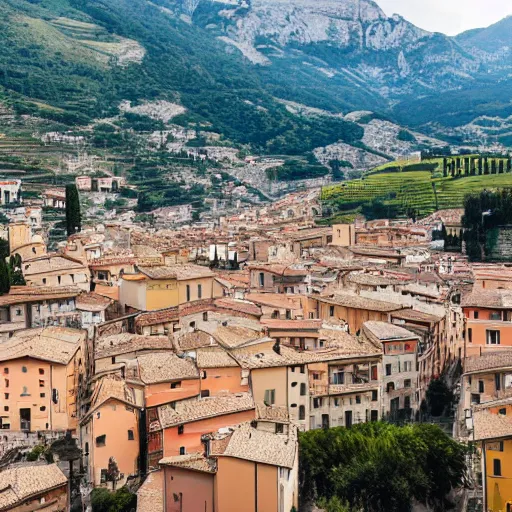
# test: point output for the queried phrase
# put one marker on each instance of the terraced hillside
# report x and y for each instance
(395, 190)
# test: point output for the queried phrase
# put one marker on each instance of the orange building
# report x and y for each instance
(488, 316)
(42, 376)
(109, 434)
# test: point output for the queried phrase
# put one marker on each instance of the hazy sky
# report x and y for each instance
(449, 16)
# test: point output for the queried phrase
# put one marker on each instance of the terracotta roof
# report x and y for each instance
(111, 387)
(150, 496)
(215, 357)
(165, 367)
(272, 413)
(282, 270)
(50, 263)
(385, 331)
(371, 280)
(23, 294)
(491, 426)
(54, 344)
(110, 261)
(192, 461)
(255, 445)
(498, 299)
(240, 306)
(235, 336)
(416, 316)
(194, 340)
(162, 316)
(124, 343)
(493, 403)
(92, 302)
(197, 409)
(358, 302)
(179, 272)
(292, 325)
(277, 300)
(19, 484)
(489, 361)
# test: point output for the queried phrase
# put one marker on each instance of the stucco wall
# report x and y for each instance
(188, 491)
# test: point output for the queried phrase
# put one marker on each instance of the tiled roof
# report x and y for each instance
(197, 409)
(493, 403)
(255, 445)
(292, 325)
(385, 331)
(235, 336)
(340, 389)
(192, 461)
(19, 484)
(111, 261)
(500, 299)
(125, 343)
(272, 413)
(277, 300)
(150, 496)
(240, 306)
(111, 387)
(281, 270)
(165, 367)
(23, 294)
(215, 357)
(419, 316)
(179, 272)
(194, 340)
(489, 361)
(358, 302)
(50, 263)
(491, 426)
(157, 317)
(371, 280)
(54, 344)
(92, 302)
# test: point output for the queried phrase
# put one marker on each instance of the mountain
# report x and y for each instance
(233, 67)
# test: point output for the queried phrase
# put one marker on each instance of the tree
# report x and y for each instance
(102, 500)
(112, 472)
(4, 248)
(73, 216)
(439, 397)
(16, 271)
(5, 280)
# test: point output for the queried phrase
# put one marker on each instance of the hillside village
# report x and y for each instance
(170, 361)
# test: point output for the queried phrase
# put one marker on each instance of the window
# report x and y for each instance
(55, 396)
(407, 402)
(481, 386)
(181, 430)
(336, 402)
(388, 369)
(302, 412)
(41, 383)
(6, 383)
(270, 397)
(199, 291)
(42, 395)
(175, 385)
(262, 279)
(338, 377)
(279, 428)
(131, 436)
(6, 395)
(113, 359)
(18, 312)
(407, 366)
(374, 415)
(358, 399)
(496, 467)
(407, 383)
(503, 411)
(317, 402)
(44, 280)
(302, 369)
(188, 293)
(316, 376)
(183, 450)
(24, 369)
(6, 371)
(331, 311)
(475, 315)
(470, 335)
(205, 316)
(374, 395)
(294, 384)
(103, 476)
(41, 371)
(497, 381)
(375, 373)
(303, 389)
(6, 408)
(42, 408)
(288, 314)
(493, 337)
(495, 316)
(101, 440)
(205, 393)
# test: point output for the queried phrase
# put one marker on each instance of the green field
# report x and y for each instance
(402, 192)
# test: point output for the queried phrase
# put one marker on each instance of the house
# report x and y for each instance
(24, 242)
(352, 310)
(93, 309)
(488, 315)
(150, 496)
(277, 305)
(56, 270)
(10, 192)
(26, 487)
(303, 334)
(42, 379)
(399, 367)
(110, 434)
(25, 307)
(107, 184)
(54, 198)
(106, 274)
(278, 278)
(154, 288)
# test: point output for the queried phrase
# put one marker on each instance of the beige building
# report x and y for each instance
(344, 235)
(42, 377)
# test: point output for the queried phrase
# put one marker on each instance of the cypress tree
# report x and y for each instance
(73, 217)
(5, 279)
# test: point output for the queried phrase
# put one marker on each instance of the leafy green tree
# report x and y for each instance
(5, 280)
(4, 249)
(73, 216)
(16, 271)
(122, 500)
(439, 397)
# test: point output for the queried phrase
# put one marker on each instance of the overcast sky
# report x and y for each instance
(449, 16)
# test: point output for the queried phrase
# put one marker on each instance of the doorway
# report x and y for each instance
(25, 419)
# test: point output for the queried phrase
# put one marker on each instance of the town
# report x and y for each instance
(180, 368)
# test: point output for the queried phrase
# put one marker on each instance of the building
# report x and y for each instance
(106, 274)
(278, 278)
(488, 315)
(399, 381)
(154, 288)
(27, 487)
(10, 192)
(42, 379)
(54, 198)
(108, 184)
(93, 308)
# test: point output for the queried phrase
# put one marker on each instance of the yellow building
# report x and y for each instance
(41, 377)
(154, 288)
(492, 430)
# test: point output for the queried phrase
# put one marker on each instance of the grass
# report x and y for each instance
(421, 191)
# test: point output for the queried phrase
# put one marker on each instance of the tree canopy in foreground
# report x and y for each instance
(379, 467)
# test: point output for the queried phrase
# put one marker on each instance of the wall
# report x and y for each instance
(481, 325)
(270, 378)
(343, 235)
(499, 485)
(161, 294)
(206, 292)
(133, 293)
(192, 432)
(220, 380)
(55, 500)
(161, 392)
(295, 399)
(193, 489)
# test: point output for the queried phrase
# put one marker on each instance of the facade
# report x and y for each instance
(278, 279)
(10, 192)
